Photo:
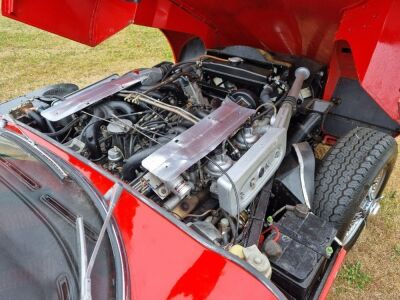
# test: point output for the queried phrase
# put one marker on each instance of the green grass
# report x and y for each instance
(354, 276)
(30, 58)
(396, 250)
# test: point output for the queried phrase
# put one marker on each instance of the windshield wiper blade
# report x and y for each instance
(112, 196)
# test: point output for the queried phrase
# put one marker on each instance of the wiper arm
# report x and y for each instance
(43, 156)
(10, 118)
(113, 196)
(80, 229)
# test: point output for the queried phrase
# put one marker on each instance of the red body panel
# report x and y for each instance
(88, 22)
(332, 276)
(308, 28)
(372, 31)
(164, 262)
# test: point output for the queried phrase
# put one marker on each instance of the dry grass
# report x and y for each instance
(377, 250)
(30, 58)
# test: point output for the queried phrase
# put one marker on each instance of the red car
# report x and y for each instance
(198, 179)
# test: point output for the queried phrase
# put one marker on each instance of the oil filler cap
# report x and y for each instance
(301, 210)
(235, 60)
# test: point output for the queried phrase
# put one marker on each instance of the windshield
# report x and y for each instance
(39, 253)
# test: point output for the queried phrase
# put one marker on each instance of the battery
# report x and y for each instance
(304, 240)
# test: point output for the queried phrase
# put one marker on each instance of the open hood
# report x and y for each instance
(311, 28)
(304, 27)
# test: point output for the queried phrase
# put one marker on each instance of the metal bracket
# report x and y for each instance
(257, 221)
(305, 156)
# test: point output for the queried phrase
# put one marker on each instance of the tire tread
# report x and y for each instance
(344, 172)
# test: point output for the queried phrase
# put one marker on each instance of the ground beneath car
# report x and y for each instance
(30, 58)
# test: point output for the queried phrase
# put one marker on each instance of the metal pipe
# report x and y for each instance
(283, 117)
(172, 202)
(301, 74)
(289, 104)
(132, 98)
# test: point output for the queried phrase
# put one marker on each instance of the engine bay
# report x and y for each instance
(219, 142)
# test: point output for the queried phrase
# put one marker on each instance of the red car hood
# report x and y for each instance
(311, 28)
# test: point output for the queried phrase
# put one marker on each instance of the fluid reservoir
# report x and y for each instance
(258, 260)
(254, 257)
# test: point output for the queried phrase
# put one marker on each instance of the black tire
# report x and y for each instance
(346, 174)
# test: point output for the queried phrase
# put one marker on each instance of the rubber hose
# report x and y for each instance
(232, 225)
(166, 138)
(199, 113)
(50, 126)
(133, 162)
(186, 123)
(154, 94)
(91, 132)
(124, 107)
(265, 96)
(177, 130)
(64, 129)
(38, 119)
(172, 87)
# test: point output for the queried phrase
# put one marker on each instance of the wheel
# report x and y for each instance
(350, 180)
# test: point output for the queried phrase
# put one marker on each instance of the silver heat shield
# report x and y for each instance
(89, 96)
(172, 159)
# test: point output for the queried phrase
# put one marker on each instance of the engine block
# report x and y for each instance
(249, 174)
